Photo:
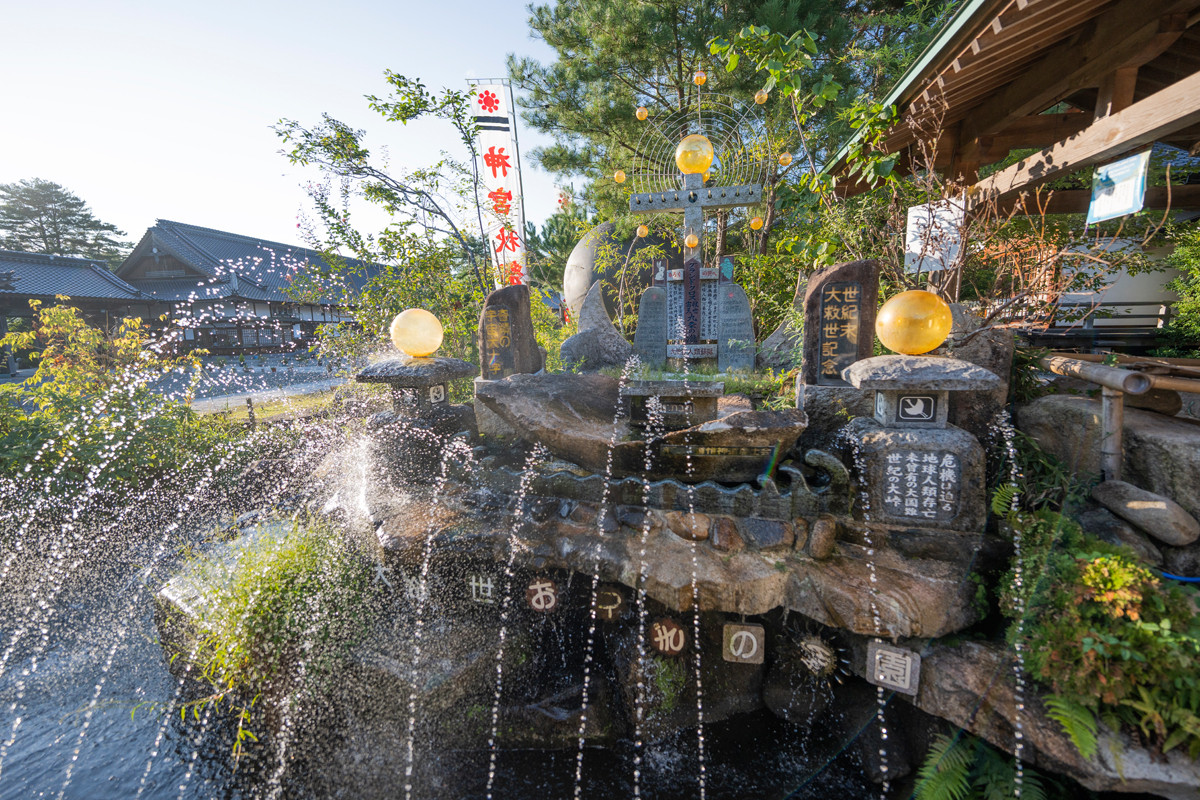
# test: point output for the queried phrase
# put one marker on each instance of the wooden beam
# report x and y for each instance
(1125, 35)
(1162, 113)
(1076, 201)
(1039, 130)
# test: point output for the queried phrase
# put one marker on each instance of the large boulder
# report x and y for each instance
(600, 256)
(1101, 523)
(598, 344)
(1162, 454)
(1159, 516)
(972, 685)
(575, 417)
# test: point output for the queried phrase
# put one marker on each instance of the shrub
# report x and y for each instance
(89, 413)
(286, 595)
(1184, 331)
(1107, 637)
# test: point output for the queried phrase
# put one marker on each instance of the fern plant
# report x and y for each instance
(1077, 721)
(964, 767)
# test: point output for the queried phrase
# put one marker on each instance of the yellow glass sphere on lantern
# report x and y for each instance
(416, 333)
(692, 240)
(756, 224)
(642, 112)
(619, 176)
(761, 96)
(913, 322)
(785, 159)
(642, 231)
(694, 155)
(700, 77)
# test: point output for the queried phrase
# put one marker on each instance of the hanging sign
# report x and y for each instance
(1119, 188)
(933, 236)
(743, 644)
(503, 206)
(668, 637)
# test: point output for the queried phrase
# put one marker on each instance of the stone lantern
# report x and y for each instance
(919, 469)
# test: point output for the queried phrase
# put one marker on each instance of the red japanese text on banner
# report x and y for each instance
(503, 209)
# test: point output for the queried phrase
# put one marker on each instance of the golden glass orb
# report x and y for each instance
(643, 231)
(785, 159)
(642, 113)
(760, 96)
(692, 240)
(756, 224)
(913, 322)
(619, 176)
(416, 332)
(700, 77)
(694, 155)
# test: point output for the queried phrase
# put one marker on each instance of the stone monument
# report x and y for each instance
(507, 346)
(693, 304)
(840, 304)
(920, 469)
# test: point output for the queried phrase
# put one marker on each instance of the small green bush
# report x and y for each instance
(302, 596)
(1184, 331)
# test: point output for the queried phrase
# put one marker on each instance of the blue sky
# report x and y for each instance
(163, 109)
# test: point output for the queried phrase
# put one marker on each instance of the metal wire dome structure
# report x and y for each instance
(737, 130)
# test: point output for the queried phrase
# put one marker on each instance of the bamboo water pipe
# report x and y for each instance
(1114, 384)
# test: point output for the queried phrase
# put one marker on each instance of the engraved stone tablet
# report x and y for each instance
(839, 320)
(921, 485)
(744, 644)
(735, 345)
(895, 668)
(506, 339)
(650, 338)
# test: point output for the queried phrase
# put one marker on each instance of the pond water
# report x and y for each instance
(77, 685)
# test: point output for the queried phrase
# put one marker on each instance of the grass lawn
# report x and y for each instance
(298, 405)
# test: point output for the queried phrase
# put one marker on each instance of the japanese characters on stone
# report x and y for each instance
(893, 667)
(921, 484)
(840, 317)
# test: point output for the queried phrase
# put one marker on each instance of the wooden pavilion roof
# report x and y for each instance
(1128, 72)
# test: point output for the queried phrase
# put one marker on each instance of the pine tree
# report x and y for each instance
(40, 216)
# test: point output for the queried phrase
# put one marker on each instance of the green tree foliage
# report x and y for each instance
(613, 57)
(1185, 325)
(89, 415)
(40, 216)
(427, 256)
(415, 199)
(549, 249)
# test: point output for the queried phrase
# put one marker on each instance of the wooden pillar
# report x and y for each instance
(1112, 454)
(9, 363)
(1116, 92)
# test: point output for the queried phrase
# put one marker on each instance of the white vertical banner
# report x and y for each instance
(499, 164)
